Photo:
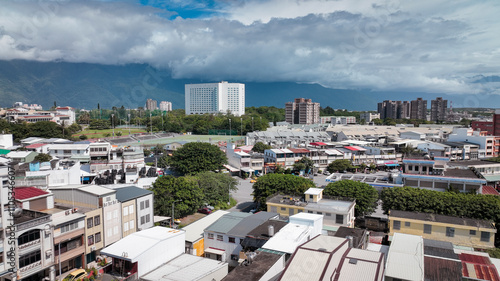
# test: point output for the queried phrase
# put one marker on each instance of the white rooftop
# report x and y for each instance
(68, 146)
(184, 267)
(313, 191)
(139, 242)
(194, 231)
(406, 257)
(18, 154)
(288, 238)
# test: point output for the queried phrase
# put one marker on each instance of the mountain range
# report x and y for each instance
(84, 85)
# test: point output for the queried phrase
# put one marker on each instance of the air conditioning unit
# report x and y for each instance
(48, 253)
(68, 212)
(92, 248)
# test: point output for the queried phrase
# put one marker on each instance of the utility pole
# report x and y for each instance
(161, 114)
(252, 124)
(241, 121)
(229, 126)
(113, 124)
(151, 122)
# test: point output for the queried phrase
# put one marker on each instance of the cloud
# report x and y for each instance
(339, 44)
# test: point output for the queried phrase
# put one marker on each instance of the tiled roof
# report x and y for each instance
(478, 267)
(36, 145)
(22, 193)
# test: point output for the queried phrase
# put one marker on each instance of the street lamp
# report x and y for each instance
(129, 123)
(151, 123)
(229, 126)
(172, 219)
(241, 121)
(113, 124)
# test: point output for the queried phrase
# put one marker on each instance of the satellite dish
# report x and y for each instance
(17, 212)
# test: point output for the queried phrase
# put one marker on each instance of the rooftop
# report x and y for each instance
(194, 231)
(441, 219)
(406, 258)
(227, 222)
(256, 238)
(288, 238)
(438, 269)
(247, 224)
(460, 173)
(184, 267)
(254, 271)
(478, 267)
(27, 192)
(124, 194)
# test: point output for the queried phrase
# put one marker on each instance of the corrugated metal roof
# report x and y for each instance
(96, 190)
(437, 269)
(22, 193)
(194, 231)
(125, 194)
(227, 222)
(249, 223)
(184, 267)
(306, 265)
(406, 258)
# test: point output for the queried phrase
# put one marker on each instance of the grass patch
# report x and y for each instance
(94, 134)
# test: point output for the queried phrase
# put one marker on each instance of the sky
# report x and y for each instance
(449, 47)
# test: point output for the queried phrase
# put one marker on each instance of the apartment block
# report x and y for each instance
(151, 104)
(439, 109)
(215, 98)
(418, 109)
(302, 111)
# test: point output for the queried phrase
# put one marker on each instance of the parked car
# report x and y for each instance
(204, 210)
(75, 275)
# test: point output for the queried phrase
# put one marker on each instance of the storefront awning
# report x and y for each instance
(214, 251)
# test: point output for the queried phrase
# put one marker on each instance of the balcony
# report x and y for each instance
(30, 269)
(30, 245)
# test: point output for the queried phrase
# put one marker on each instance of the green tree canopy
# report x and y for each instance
(305, 164)
(260, 147)
(168, 190)
(216, 187)
(270, 184)
(366, 196)
(197, 157)
(339, 165)
(43, 157)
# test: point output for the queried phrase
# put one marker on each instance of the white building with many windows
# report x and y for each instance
(220, 97)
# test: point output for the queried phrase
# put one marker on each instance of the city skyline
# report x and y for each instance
(381, 46)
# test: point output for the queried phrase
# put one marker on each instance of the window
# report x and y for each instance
(232, 240)
(90, 223)
(125, 211)
(109, 232)
(98, 237)
(328, 214)
(91, 240)
(428, 228)
(407, 224)
(125, 226)
(30, 258)
(115, 214)
(311, 196)
(310, 212)
(148, 218)
(131, 209)
(29, 236)
(339, 219)
(485, 236)
(472, 232)
(234, 257)
(147, 204)
(220, 237)
(115, 230)
(97, 220)
(131, 223)
(109, 215)
(283, 208)
(396, 225)
(210, 236)
(142, 205)
(450, 231)
(143, 219)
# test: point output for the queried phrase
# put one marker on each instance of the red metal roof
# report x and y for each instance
(36, 145)
(490, 190)
(351, 148)
(317, 143)
(299, 150)
(22, 193)
(478, 267)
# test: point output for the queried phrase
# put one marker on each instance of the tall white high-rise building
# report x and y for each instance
(165, 106)
(220, 97)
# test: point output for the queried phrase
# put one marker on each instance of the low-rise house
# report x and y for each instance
(140, 253)
(336, 211)
(230, 241)
(77, 152)
(262, 266)
(195, 242)
(331, 258)
(22, 156)
(38, 147)
(137, 208)
(459, 231)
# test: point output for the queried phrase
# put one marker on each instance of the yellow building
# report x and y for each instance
(94, 234)
(338, 212)
(459, 231)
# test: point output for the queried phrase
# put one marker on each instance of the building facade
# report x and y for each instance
(302, 111)
(439, 109)
(165, 106)
(151, 104)
(418, 109)
(214, 98)
(368, 116)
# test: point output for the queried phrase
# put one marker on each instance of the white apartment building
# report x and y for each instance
(165, 106)
(220, 97)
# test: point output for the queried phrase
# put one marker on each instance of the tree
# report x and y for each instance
(168, 190)
(305, 164)
(197, 157)
(216, 187)
(339, 165)
(83, 137)
(159, 149)
(45, 129)
(43, 157)
(270, 184)
(366, 196)
(147, 152)
(260, 147)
